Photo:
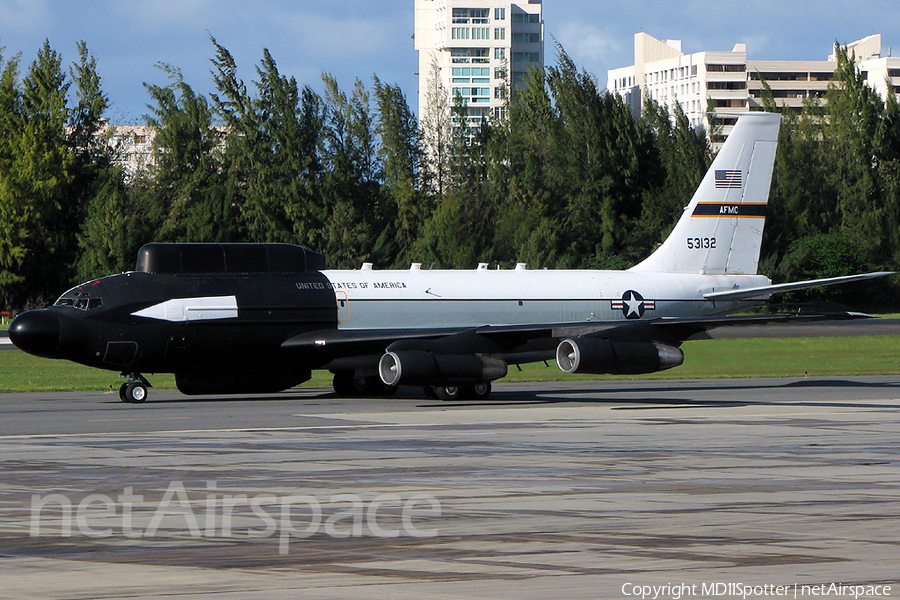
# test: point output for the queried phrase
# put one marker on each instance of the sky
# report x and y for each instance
(356, 39)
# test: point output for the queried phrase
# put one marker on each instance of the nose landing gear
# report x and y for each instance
(134, 391)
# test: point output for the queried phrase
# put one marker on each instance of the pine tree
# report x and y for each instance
(677, 159)
(36, 172)
(187, 203)
(437, 132)
(854, 112)
(348, 186)
(526, 229)
(404, 206)
(271, 154)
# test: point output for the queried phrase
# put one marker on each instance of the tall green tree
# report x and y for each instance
(36, 172)
(272, 152)
(459, 233)
(106, 240)
(437, 131)
(86, 119)
(285, 181)
(349, 185)
(99, 188)
(802, 199)
(605, 155)
(851, 134)
(12, 215)
(404, 203)
(677, 160)
(526, 228)
(889, 173)
(186, 203)
(577, 171)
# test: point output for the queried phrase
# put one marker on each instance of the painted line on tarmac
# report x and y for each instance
(232, 430)
(350, 426)
(140, 419)
(244, 430)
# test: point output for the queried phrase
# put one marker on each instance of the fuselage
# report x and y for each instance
(415, 298)
(154, 323)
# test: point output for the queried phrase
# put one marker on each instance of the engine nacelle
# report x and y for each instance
(251, 381)
(599, 356)
(416, 367)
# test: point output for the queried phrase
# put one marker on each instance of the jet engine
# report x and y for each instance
(416, 367)
(599, 356)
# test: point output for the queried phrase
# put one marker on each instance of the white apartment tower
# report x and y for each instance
(729, 82)
(478, 50)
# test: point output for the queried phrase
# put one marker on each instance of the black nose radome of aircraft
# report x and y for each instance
(36, 332)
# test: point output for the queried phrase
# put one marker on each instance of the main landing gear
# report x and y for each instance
(347, 384)
(134, 391)
(465, 392)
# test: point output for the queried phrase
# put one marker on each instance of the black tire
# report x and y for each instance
(345, 384)
(122, 395)
(376, 387)
(448, 393)
(430, 392)
(479, 391)
(135, 392)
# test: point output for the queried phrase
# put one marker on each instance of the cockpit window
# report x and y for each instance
(80, 303)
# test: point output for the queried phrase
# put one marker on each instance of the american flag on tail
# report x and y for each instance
(728, 178)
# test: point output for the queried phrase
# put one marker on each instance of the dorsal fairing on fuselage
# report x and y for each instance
(191, 261)
(720, 231)
(227, 259)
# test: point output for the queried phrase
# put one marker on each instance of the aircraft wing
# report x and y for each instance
(669, 330)
(696, 328)
(765, 291)
(326, 337)
(534, 342)
(675, 330)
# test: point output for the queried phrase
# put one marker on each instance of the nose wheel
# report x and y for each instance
(134, 391)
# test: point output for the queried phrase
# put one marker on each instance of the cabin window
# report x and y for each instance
(80, 303)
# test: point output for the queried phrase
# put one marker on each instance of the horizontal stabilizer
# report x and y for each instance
(767, 290)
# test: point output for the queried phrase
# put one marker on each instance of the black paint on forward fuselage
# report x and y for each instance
(278, 288)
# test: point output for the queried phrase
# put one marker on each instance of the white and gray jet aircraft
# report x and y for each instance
(242, 318)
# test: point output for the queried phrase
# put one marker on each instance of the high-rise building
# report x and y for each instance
(728, 82)
(473, 52)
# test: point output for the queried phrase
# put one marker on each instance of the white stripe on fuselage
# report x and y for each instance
(370, 299)
(192, 309)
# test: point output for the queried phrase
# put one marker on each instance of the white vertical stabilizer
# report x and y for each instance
(720, 232)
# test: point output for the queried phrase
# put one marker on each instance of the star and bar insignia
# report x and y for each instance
(633, 305)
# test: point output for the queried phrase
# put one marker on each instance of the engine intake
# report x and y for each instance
(416, 367)
(599, 356)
